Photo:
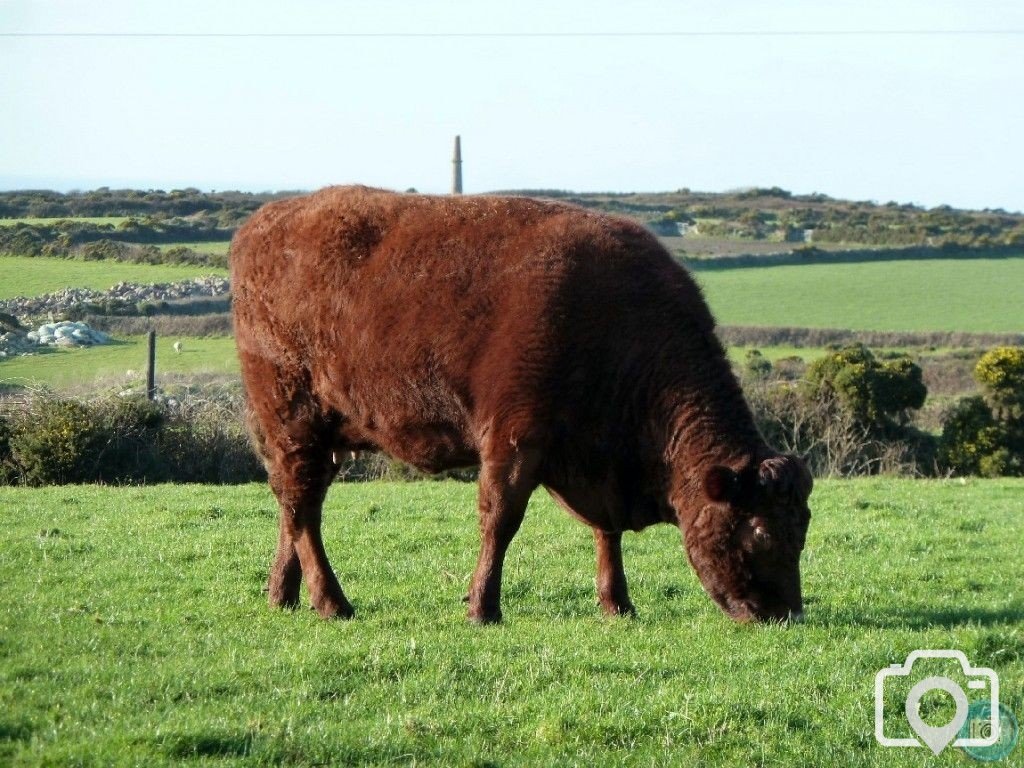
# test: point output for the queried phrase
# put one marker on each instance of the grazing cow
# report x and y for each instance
(550, 345)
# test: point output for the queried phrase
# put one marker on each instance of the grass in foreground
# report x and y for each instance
(974, 295)
(25, 276)
(123, 361)
(133, 630)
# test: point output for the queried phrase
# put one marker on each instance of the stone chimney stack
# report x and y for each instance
(457, 168)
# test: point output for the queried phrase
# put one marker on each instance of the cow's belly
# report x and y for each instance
(429, 444)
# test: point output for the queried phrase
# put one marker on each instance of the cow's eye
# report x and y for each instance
(761, 538)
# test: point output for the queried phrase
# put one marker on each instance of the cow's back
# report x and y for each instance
(424, 320)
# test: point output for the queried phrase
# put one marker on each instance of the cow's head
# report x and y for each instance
(746, 537)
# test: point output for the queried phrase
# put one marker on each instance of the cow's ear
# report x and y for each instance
(721, 484)
(786, 476)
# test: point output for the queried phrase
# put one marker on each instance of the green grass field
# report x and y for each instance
(90, 367)
(133, 631)
(24, 276)
(85, 367)
(114, 220)
(979, 295)
(204, 246)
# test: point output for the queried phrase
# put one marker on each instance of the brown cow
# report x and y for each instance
(548, 344)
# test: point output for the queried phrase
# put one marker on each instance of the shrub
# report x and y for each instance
(126, 440)
(55, 441)
(7, 468)
(1000, 372)
(830, 438)
(131, 426)
(878, 394)
(969, 433)
(985, 435)
(756, 365)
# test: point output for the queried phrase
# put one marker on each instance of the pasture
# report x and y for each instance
(85, 369)
(202, 246)
(26, 276)
(82, 368)
(133, 630)
(973, 295)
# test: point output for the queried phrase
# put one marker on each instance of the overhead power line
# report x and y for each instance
(541, 35)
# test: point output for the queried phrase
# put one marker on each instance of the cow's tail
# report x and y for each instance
(257, 437)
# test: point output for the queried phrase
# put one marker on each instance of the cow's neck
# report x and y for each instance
(707, 422)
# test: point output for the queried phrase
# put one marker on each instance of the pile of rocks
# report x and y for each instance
(63, 334)
(60, 302)
(67, 334)
(14, 343)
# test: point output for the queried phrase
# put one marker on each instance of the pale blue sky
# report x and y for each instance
(921, 118)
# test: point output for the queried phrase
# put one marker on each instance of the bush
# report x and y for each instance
(830, 438)
(55, 441)
(985, 435)
(126, 440)
(878, 394)
(969, 433)
(756, 365)
(1000, 372)
(7, 468)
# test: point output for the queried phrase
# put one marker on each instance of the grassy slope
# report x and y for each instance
(133, 631)
(84, 368)
(980, 295)
(24, 276)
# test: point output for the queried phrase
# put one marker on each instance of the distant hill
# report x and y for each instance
(776, 215)
(756, 220)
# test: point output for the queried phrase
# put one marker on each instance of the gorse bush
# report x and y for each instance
(829, 436)
(985, 435)
(56, 441)
(878, 393)
(847, 413)
(51, 440)
(1000, 372)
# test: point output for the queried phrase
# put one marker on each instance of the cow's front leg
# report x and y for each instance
(505, 488)
(611, 577)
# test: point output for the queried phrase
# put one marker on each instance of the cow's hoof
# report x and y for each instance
(335, 609)
(485, 617)
(618, 609)
(284, 602)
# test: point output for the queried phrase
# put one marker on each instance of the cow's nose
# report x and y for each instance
(796, 616)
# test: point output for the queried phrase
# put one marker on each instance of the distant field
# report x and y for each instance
(24, 276)
(211, 246)
(976, 295)
(115, 220)
(81, 369)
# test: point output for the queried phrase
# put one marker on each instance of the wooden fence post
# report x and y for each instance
(151, 367)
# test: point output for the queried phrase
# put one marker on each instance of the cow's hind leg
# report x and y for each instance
(300, 478)
(286, 572)
(505, 488)
(297, 447)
